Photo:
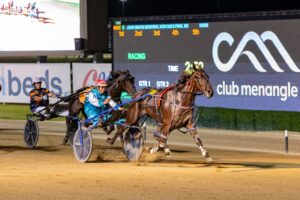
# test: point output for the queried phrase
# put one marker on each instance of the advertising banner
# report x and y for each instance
(16, 80)
(85, 74)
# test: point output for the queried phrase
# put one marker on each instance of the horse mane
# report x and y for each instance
(112, 77)
(115, 75)
(184, 77)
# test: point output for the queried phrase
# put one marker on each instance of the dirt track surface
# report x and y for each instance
(51, 172)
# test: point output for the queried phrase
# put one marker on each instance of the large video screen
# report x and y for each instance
(252, 64)
(46, 25)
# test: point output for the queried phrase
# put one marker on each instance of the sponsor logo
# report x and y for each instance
(15, 86)
(259, 40)
(92, 76)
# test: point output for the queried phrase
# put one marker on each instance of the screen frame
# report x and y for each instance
(82, 33)
(184, 19)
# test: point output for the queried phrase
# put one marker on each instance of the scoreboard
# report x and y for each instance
(140, 49)
(252, 64)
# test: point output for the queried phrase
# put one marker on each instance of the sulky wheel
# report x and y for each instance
(31, 133)
(82, 144)
(133, 144)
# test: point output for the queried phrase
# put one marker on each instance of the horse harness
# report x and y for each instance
(158, 98)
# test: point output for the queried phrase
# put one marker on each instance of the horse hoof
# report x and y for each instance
(65, 141)
(167, 152)
(153, 150)
(147, 149)
(109, 141)
(209, 160)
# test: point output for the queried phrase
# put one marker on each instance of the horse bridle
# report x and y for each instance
(122, 77)
(197, 82)
(205, 85)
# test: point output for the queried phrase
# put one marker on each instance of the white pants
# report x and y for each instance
(38, 109)
(62, 113)
(43, 113)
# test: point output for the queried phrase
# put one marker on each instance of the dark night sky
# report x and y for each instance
(181, 7)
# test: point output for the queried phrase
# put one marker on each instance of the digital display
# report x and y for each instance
(39, 25)
(252, 64)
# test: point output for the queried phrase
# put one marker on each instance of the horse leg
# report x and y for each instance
(108, 125)
(108, 129)
(162, 146)
(71, 129)
(68, 124)
(193, 131)
(120, 131)
(132, 118)
(161, 135)
(75, 107)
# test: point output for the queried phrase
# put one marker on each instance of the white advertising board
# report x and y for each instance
(16, 80)
(85, 74)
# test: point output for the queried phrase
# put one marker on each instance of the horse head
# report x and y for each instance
(199, 80)
(122, 81)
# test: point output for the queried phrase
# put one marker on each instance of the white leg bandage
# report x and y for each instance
(203, 151)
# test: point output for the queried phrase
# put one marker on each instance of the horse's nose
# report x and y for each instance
(210, 93)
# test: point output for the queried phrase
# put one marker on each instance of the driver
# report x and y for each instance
(98, 101)
(39, 98)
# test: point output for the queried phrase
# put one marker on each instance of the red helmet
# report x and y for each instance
(100, 82)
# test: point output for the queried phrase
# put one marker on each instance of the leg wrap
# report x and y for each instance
(159, 135)
(167, 151)
(203, 151)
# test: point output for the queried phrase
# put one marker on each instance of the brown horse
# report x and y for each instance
(172, 109)
(119, 81)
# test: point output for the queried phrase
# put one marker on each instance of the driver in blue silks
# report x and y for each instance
(97, 102)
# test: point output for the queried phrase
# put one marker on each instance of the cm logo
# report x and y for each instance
(92, 76)
(259, 40)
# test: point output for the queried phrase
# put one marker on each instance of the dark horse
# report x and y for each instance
(171, 108)
(0, 87)
(118, 82)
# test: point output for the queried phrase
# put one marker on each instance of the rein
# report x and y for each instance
(192, 93)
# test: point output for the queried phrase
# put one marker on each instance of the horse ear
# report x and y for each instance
(127, 71)
(113, 74)
(118, 73)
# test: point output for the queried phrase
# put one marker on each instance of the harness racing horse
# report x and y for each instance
(172, 109)
(119, 81)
